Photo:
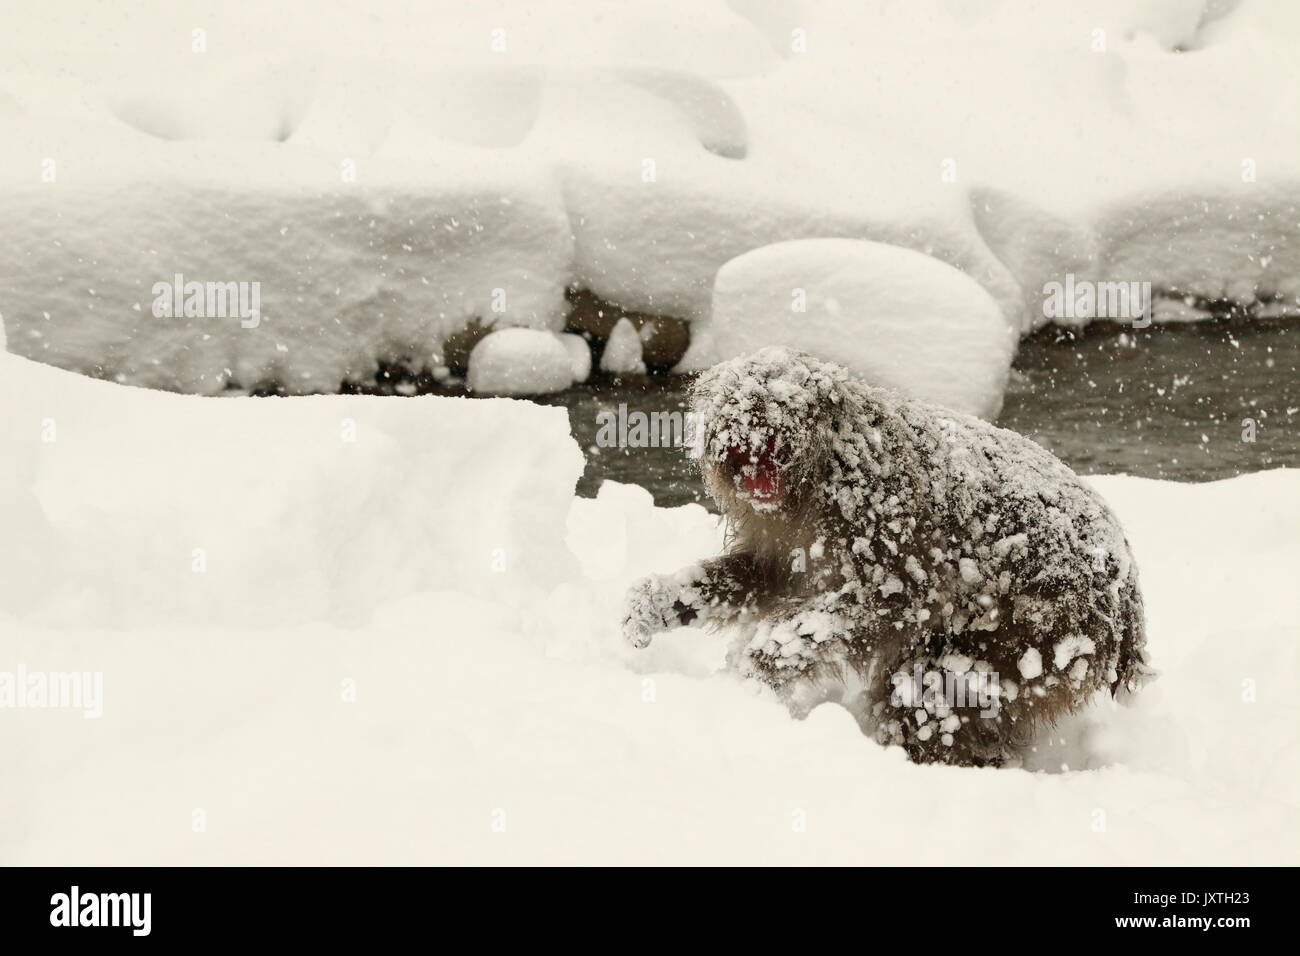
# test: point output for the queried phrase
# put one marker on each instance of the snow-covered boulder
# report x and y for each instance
(520, 362)
(579, 355)
(893, 316)
(622, 355)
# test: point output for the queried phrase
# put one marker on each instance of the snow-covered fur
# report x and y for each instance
(951, 582)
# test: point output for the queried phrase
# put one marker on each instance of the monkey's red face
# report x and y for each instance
(766, 429)
(756, 474)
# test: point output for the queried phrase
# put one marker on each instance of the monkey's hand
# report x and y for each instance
(652, 605)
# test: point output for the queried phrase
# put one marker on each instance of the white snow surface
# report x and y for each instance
(114, 485)
(401, 169)
(892, 316)
(498, 716)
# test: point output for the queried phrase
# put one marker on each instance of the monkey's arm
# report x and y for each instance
(717, 589)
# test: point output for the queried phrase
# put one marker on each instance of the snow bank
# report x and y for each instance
(892, 316)
(138, 507)
(1145, 142)
(350, 665)
(346, 278)
(1218, 245)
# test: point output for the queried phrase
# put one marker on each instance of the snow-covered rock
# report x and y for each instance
(520, 362)
(892, 316)
(622, 355)
(579, 355)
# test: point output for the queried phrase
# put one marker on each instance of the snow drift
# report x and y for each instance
(136, 507)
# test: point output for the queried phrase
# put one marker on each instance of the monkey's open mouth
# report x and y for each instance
(757, 474)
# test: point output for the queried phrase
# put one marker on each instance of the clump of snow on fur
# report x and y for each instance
(1071, 647)
(1031, 664)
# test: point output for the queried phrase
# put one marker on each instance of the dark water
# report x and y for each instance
(1164, 402)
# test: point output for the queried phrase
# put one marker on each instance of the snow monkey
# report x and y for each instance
(950, 582)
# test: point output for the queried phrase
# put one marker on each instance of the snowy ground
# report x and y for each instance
(392, 656)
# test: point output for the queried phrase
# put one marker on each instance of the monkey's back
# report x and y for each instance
(986, 546)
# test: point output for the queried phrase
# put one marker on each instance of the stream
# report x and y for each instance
(1165, 402)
